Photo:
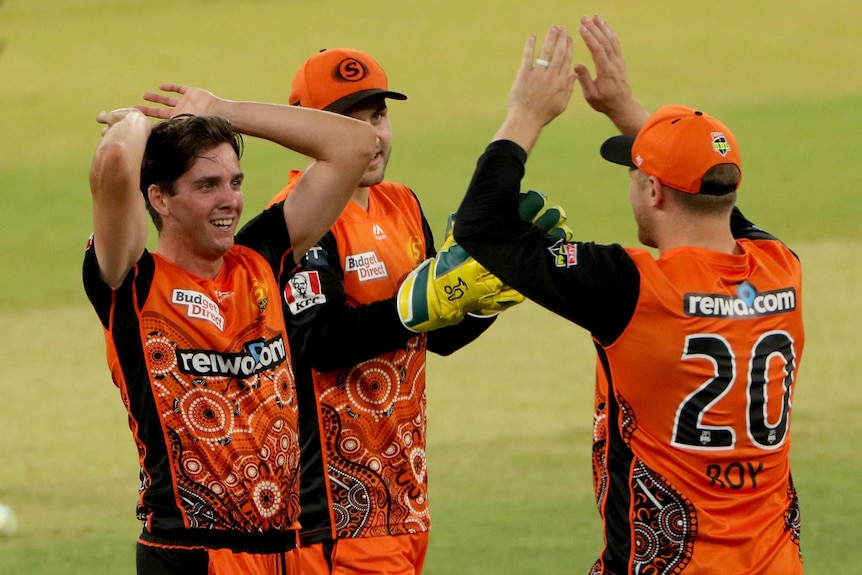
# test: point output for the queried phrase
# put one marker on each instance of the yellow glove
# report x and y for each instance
(445, 288)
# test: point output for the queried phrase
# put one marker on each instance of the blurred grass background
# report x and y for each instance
(509, 417)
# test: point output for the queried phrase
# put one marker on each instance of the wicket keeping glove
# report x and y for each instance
(445, 288)
(532, 208)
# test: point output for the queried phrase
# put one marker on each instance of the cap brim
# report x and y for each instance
(618, 150)
(343, 104)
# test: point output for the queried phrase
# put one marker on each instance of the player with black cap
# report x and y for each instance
(698, 345)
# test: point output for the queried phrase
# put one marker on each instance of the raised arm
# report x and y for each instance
(341, 146)
(119, 213)
(609, 92)
(541, 90)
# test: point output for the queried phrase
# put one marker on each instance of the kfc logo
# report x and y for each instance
(303, 291)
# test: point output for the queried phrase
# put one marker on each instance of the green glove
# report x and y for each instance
(532, 208)
(445, 288)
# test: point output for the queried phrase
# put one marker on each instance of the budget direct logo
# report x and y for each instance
(367, 266)
(198, 306)
(747, 302)
(255, 357)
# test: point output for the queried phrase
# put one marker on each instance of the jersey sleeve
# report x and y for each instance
(100, 294)
(268, 235)
(325, 331)
(592, 285)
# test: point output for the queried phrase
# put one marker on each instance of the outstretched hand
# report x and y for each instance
(544, 86)
(194, 101)
(541, 90)
(609, 92)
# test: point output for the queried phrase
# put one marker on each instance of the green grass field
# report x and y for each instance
(509, 416)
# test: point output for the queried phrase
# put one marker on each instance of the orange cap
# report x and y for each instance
(337, 78)
(677, 145)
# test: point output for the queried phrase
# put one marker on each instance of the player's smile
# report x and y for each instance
(224, 223)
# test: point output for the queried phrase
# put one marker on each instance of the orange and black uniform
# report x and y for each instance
(698, 353)
(203, 368)
(361, 374)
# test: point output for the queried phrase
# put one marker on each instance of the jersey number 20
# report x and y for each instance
(689, 430)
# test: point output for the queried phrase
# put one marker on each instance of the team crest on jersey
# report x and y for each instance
(303, 291)
(565, 254)
(367, 266)
(416, 248)
(198, 306)
(720, 144)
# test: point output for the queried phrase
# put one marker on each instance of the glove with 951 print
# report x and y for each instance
(445, 288)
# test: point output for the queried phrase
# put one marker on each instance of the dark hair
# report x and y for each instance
(173, 147)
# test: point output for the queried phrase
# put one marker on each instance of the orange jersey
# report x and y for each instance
(203, 368)
(364, 453)
(698, 353)
(692, 414)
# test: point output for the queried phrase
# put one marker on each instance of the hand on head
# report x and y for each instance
(194, 101)
(113, 117)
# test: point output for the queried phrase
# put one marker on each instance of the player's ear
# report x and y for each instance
(157, 199)
(656, 192)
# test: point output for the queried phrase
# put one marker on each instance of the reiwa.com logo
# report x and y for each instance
(256, 356)
(747, 302)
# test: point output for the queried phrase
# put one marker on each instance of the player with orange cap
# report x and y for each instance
(360, 366)
(698, 347)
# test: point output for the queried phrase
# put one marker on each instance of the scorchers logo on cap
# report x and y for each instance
(303, 291)
(351, 70)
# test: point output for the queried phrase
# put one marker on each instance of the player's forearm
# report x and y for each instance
(342, 148)
(342, 336)
(119, 213)
(521, 127)
(320, 135)
(448, 340)
(629, 117)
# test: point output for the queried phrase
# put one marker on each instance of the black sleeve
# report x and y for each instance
(595, 286)
(448, 340)
(741, 227)
(328, 333)
(268, 235)
(137, 283)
